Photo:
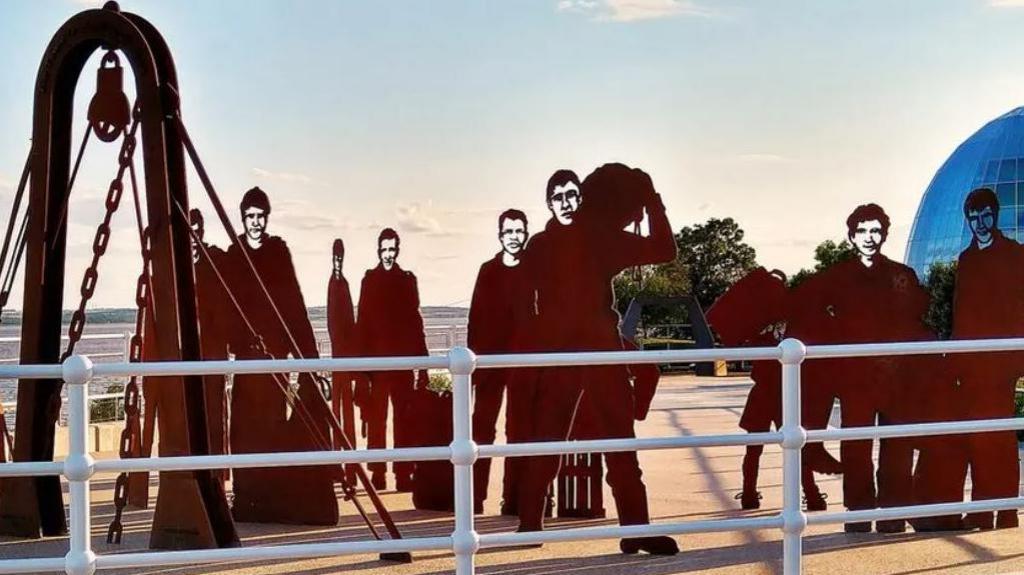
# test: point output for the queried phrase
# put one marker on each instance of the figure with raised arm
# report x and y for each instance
(571, 265)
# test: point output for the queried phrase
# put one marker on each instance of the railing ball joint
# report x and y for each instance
(793, 438)
(793, 351)
(79, 467)
(793, 521)
(465, 542)
(461, 360)
(80, 562)
(464, 452)
(77, 370)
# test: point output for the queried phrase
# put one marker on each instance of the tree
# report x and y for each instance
(711, 257)
(714, 257)
(941, 283)
(663, 280)
(826, 254)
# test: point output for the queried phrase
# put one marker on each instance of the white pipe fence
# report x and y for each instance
(464, 541)
(452, 334)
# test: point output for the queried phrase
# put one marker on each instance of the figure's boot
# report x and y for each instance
(857, 527)
(814, 499)
(1007, 519)
(891, 525)
(750, 498)
(652, 545)
(978, 520)
(509, 507)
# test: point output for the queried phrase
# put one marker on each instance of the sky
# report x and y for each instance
(433, 117)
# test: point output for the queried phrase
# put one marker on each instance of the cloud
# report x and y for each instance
(416, 218)
(1006, 3)
(307, 221)
(282, 176)
(635, 10)
(302, 215)
(420, 218)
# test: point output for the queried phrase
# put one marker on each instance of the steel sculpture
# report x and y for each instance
(191, 508)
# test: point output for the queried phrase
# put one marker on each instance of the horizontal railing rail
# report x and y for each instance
(80, 466)
(453, 334)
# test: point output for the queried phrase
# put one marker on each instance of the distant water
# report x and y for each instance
(438, 337)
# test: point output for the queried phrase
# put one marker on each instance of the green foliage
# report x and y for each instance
(108, 409)
(664, 280)
(940, 284)
(440, 382)
(714, 256)
(826, 254)
(1018, 409)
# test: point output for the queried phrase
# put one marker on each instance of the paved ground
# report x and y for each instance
(683, 485)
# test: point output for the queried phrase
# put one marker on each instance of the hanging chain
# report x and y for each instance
(102, 238)
(131, 435)
(132, 432)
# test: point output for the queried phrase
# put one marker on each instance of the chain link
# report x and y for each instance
(131, 435)
(102, 239)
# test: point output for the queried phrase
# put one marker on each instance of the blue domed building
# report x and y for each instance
(993, 157)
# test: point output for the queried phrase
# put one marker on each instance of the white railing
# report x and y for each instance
(464, 541)
(452, 333)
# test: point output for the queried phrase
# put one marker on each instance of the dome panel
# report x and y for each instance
(992, 157)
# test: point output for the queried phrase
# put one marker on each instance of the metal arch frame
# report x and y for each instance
(198, 516)
(703, 338)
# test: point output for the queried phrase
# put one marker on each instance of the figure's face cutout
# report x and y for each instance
(983, 223)
(337, 261)
(512, 235)
(255, 220)
(388, 253)
(564, 202)
(868, 238)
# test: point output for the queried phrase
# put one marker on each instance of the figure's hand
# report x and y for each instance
(654, 203)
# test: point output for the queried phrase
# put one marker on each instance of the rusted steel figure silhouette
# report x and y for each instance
(389, 324)
(753, 312)
(501, 316)
(341, 327)
(988, 304)
(259, 410)
(868, 298)
(571, 264)
(211, 301)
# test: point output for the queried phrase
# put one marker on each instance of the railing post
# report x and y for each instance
(465, 540)
(793, 439)
(78, 466)
(128, 345)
